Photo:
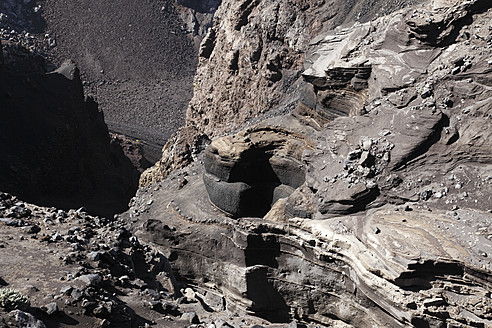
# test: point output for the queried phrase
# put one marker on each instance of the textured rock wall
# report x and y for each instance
(390, 224)
(250, 64)
(252, 56)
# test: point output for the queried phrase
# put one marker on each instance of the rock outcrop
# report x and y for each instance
(248, 172)
(56, 148)
(361, 198)
(250, 64)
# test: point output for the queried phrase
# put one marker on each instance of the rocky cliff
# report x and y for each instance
(347, 181)
(56, 149)
(250, 65)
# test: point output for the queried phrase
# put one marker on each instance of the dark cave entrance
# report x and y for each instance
(250, 186)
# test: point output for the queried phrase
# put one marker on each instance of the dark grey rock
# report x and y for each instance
(26, 320)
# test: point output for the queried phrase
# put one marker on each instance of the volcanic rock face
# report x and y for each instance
(248, 172)
(55, 145)
(251, 57)
(364, 201)
(250, 64)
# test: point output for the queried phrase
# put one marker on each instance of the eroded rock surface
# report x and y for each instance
(362, 199)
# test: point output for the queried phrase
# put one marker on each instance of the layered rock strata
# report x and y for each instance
(384, 160)
(250, 64)
(248, 172)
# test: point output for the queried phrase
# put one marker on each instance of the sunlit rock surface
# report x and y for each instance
(365, 200)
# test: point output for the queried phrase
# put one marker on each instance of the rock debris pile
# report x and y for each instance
(91, 271)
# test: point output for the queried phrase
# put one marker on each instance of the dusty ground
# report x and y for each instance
(136, 60)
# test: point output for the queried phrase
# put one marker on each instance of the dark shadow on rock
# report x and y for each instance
(38, 23)
(424, 146)
(267, 302)
(55, 145)
(55, 320)
(249, 186)
(262, 250)
(420, 275)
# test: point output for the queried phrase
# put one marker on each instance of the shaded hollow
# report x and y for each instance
(249, 183)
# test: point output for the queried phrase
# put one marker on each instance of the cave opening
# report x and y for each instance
(250, 186)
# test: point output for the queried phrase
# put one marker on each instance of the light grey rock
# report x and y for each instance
(92, 279)
(190, 317)
(50, 308)
(26, 320)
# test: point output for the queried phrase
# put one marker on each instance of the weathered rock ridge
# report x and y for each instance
(361, 198)
(250, 65)
(56, 148)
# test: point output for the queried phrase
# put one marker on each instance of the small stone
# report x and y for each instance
(456, 70)
(438, 194)
(50, 308)
(426, 194)
(94, 256)
(66, 290)
(124, 279)
(434, 302)
(426, 92)
(76, 294)
(33, 229)
(56, 237)
(377, 230)
(100, 311)
(366, 144)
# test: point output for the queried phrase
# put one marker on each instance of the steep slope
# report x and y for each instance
(136, 59)
(56, 149)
